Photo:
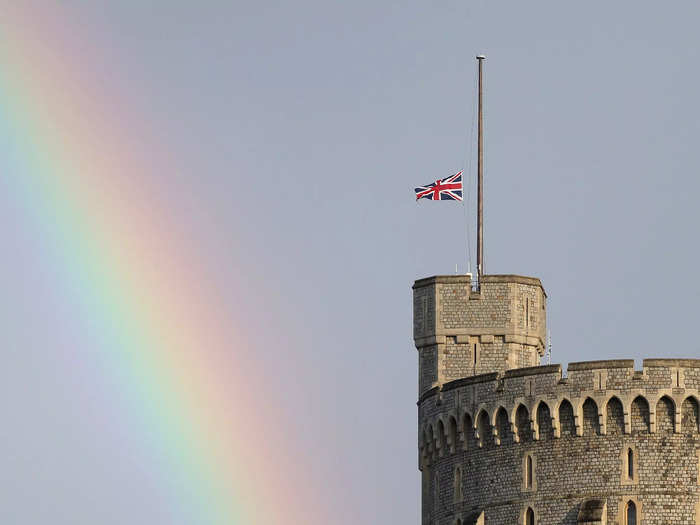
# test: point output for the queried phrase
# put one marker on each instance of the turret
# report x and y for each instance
(461, 332)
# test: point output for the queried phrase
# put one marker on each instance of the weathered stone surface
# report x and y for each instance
(605, 437)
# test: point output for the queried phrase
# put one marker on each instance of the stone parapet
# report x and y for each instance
(578, 431)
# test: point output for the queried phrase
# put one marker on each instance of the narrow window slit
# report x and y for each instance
(630, 463)
(527, 313)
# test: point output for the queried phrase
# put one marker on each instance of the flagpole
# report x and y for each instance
(480, 184)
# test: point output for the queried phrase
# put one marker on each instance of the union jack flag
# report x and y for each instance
(449, 189)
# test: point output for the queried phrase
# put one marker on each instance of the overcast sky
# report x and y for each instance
(300, 129)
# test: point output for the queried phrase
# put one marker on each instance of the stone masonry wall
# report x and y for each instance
(427, 367)
(460, 332)
(476, 433)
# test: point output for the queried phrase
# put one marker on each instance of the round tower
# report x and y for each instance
(502, 441)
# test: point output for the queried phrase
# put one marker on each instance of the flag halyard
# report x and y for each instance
(448, 189)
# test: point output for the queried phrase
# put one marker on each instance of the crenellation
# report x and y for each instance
(602, 438)
(503, 421)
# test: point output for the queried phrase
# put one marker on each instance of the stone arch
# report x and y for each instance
(567, 422)
(630, 511)
(441, 438)
(427, 433)
(591, 421)
(494, 414)
(424, 446)
(690, 415)
(468, 436)
(544, 421)
(503, 427)
(452, 434)
(529, 516)
(484, 429)
(522, 424)
(614, 417)
(665, 415)
(431, 442)
(639, 415)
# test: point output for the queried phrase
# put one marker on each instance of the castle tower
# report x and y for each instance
(502, 441)
(460, 332)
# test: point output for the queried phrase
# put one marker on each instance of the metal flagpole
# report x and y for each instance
(467, 182)
(480, 184)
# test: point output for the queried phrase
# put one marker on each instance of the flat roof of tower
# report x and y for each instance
(466, 278)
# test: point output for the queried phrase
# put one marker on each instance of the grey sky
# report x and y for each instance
(301, 129)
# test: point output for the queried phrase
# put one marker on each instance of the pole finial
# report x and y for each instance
(481, 57)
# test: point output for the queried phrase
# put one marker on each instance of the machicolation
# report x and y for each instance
(503, 441)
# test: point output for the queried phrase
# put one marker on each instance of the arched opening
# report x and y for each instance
(529, 472)
(529, 516)
(468, 432)
(544, 421)
(522, 420)
(485, 434)
(640, 415)
(689, 415)
(591, 426)
(503, 427)
(442, 438)
(631, 513)
(615, 420)
(431, 443)
(665, 415)
(566, 419)
(630, 463)
(454, 436)
(426, 447)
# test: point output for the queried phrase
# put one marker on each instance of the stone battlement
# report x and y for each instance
(479, 399)
(607, 432)
(593, 375)
(502, 441)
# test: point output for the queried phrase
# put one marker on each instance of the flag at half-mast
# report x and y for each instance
(449, 189)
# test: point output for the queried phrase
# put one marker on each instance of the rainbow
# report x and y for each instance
(169, 349)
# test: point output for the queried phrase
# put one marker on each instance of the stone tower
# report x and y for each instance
(503, 441)
(460, 332)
